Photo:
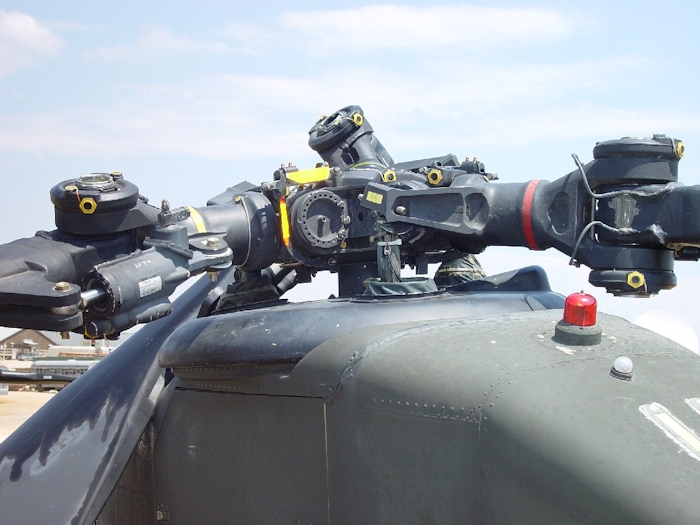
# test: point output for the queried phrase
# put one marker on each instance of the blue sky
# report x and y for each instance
(187, 98)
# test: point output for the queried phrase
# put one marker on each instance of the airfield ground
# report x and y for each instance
(16, 407)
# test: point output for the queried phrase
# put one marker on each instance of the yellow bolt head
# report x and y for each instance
(389, 176)
(88, 205)
(435, 176)
(635, 279)
(680, 149)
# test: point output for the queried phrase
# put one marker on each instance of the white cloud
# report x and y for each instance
(451, 29)
(392, 26)
(23, 39)
(63, 25)
(251, 39)
(494, 89)
(153, 42)
(239, 116)
(569, 119)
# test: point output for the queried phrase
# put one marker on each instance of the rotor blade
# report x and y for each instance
(64, 462)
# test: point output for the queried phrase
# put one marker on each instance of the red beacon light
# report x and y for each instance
(578, 326)
(580, 309)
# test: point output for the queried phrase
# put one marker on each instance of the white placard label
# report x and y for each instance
(150, 286)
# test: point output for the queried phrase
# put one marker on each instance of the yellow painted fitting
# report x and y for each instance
(198, 220)
(71, 188)
(343, 245)
(635, 279)
(389, 176)
(88, 205)
(309, 176)
(284, 221)
(435, 176)
(358, 119)
(680, 149)
(321, 118)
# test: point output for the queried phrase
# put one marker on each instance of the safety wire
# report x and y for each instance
(392, 264)
(609, 195)
(590, 226)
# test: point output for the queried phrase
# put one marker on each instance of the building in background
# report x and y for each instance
(27, 344)
(23, 343)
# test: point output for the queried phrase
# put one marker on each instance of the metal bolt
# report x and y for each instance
(63, 286)
(213, 276)
(400, 210)
(65, 335)
(212, 242)
(165, 205)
